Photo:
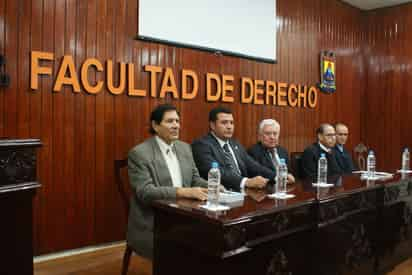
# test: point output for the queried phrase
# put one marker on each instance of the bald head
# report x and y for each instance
(342, 133)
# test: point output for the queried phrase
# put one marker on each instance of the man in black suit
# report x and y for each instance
(326, 141)
(238, 169)
(343, 157)
(267, 151)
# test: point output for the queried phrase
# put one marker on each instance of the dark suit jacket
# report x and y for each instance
(344, 160)
(150, 180)
(207, 150)
(261, 155)
(310, 159)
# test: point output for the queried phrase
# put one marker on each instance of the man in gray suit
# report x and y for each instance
(161, 168)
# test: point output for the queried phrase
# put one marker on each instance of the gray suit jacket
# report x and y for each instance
(150, 180)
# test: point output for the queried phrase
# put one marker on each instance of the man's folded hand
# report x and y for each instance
(197, 193)
(256, 182)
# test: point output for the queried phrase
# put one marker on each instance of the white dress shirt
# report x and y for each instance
(169, 155)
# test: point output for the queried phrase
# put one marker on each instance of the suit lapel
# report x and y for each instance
(239, 159)
(185, 170)
(220, 154)
(267, 156)
(340, 157)
(160, 165)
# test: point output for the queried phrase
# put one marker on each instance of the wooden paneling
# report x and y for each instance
(388, 97)
(82, 134)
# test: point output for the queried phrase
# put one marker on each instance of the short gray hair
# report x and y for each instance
(268, 121)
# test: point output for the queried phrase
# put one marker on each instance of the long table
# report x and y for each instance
(354, 227)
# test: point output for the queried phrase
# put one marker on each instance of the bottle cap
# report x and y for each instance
(371, 152)
(282, 161)
(406, 149)
(322, 155)
(215, 164)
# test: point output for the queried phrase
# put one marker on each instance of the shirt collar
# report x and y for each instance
(219, 140)
(340, 147)
(164, 147)
(323, 147)
(274, 149)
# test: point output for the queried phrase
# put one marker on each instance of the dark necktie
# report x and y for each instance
(230, 158)
(273, 157)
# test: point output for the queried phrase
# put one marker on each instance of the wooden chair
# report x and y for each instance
(123, 189)
(296, 164)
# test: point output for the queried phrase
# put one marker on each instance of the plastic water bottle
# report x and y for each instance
(322, 169)
(371, 164)
(213, 184)
(282, 177)
(405, 159)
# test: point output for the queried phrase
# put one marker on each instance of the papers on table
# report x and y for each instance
(227, 200)
(404, 171)
(376, 173)
(359, 172)
(214, 207)
(230, 197)
(376, 176)
(322, 185)
(281, 196)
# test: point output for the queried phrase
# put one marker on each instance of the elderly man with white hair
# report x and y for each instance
(267, 151)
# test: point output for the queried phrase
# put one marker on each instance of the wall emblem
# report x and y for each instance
(327, 72)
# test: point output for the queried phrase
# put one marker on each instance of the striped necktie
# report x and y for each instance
(274, 157)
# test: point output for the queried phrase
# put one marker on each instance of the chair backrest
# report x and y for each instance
(122, 185)
(360, 153)
(296, 164)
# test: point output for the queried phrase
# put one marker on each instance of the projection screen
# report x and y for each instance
(245, 28)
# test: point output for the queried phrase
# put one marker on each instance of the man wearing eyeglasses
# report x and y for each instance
(343, 157)
(267, 151)
(326, 141)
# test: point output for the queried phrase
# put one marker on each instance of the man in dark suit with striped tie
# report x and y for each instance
(237, 168)
(267, 151)
(342, 155)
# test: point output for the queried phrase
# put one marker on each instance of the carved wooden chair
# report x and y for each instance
(124, 192)
(361, 152)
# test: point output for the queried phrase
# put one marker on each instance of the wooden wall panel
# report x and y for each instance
(388, 98)
(2, 51)
(11, 46)
(36, 16)
(88, 171)
(78, 204)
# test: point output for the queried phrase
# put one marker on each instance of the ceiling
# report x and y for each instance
(374, 4)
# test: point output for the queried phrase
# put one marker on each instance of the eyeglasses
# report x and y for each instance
(330, 135)
(268, 134)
